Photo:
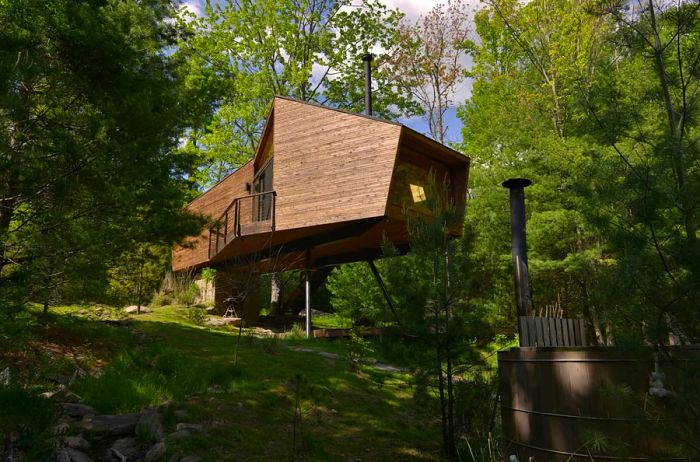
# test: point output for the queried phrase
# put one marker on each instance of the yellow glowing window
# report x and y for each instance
(418, 193)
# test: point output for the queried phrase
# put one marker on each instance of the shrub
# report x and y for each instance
(196, 316)
(160, 298)
(358, 349)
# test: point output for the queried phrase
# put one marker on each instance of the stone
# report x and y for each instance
(60, 379)
(62, 456)
(314, 313)
(174, 458)
(76, 442)
(77, 456)
(134, 309)
(327, 354)
(149, 425)
(188, 427)
(219, 321)
(191, 459)
(156, 452)
(62, 395)
(122, 424)
(181, 414)
(180, 434)
(77, 409)
(126, 448)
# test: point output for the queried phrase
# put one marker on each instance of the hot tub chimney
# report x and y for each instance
(523, 296)
(367, 58)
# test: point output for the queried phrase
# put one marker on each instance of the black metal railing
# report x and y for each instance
(245, 215)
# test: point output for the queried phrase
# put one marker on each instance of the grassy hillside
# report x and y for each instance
(247, 410)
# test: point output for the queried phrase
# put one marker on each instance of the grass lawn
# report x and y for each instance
(247, 410)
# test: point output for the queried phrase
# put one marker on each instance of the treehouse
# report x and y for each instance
(325, 187)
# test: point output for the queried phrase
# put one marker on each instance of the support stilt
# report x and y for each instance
(307, 294)
(387, 297)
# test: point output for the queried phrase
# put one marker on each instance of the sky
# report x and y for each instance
(413, 9)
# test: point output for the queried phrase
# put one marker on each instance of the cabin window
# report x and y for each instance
(418, 193)
(411, 187)
(262, 203)
(412, 183)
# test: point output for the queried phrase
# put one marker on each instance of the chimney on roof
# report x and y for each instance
(367, 58)
(523, 295)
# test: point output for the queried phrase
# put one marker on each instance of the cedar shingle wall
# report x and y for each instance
(330, 166)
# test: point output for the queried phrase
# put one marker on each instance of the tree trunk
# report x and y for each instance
(276, 294)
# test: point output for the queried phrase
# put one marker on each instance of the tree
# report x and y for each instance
(643, 109)
(90, 114)
(246, 51)
(522, 120)
(428, 60)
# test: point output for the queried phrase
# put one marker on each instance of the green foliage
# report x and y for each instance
(138, 272)
(91, 110)
(146, 377)
(358, 349)
(29, 416)
(314, 54)
(196, 315)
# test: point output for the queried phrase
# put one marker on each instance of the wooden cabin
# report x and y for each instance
(325, 187)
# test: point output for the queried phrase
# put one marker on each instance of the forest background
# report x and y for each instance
(108, 131)
(115, 114)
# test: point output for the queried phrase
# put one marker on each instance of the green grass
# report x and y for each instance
(247, 410)
(332, 321)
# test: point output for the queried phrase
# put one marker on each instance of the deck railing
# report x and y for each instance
(245, 215)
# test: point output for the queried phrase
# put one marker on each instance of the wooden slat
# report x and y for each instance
(540, 332)
(545, 331)
(572, 336)
(524, 332)
(532, 327)
(565, 332)
(582, 332)
(560, 338)
(552, 332)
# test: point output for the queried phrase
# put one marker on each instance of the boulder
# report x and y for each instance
(122, 424)
(77, 409)
(125, 449)
(156, 452)
(77, 456)
(62, 395)
(76, 442)
(134, 309)
(149, 425)
(189, 427)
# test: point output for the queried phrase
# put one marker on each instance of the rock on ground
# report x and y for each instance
(156, 452)
(76, 456)
(134, 309)
(77, 410)
(76, 442)
(122, 424)
(149, 425)
(189, 427)
(127, 447)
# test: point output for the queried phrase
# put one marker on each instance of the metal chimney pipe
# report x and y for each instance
(523, 295)
(367, 58)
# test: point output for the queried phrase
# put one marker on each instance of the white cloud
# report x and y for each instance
(195, 7)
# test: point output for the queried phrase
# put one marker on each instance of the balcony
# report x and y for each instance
(247, 215)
